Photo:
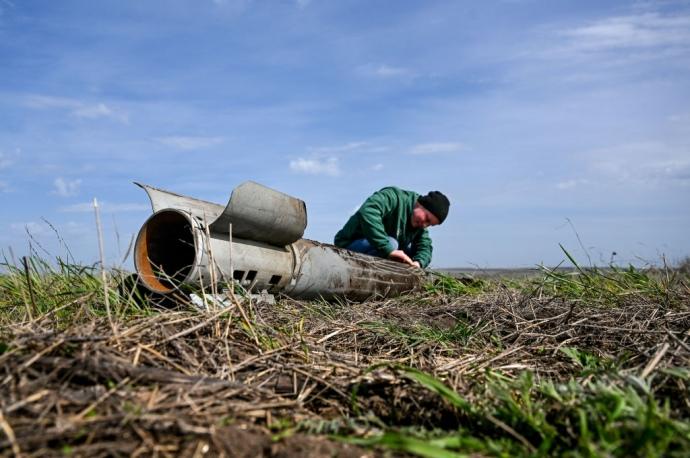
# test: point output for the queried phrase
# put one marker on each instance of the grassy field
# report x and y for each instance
(585, 362)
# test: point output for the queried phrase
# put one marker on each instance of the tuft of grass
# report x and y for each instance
(587, 361)
(443, 284)
(611, 286)
(520, 417)
(65, 291)
(439, 447)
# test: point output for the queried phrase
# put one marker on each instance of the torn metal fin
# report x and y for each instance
(201, 209)
(262, 214)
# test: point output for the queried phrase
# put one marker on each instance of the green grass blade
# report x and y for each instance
(404, 443)
(433, 384)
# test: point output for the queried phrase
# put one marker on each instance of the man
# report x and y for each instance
(392, 223)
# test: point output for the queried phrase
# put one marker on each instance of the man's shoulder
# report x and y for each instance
(394, 197)
(398, 191)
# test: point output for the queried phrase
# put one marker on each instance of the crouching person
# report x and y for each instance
(393, 223)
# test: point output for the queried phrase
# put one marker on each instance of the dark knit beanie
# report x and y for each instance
(436, 203)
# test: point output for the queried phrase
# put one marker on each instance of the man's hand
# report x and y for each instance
(400, 256)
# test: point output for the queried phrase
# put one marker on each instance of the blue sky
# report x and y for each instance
(541, 120)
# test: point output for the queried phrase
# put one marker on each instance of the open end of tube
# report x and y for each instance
(164, 252)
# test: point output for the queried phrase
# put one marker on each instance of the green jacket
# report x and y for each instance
(387, 212)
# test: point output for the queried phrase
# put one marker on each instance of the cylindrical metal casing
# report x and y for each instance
(173, 248)
(329, 271)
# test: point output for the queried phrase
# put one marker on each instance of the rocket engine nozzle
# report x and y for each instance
(165, 251)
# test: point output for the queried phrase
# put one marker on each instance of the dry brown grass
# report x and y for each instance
(185, 383)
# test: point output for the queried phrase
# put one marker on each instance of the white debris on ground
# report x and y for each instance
(223, 300)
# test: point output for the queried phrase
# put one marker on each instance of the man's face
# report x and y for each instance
(423, 218)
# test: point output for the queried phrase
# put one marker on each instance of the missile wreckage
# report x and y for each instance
(256, 240)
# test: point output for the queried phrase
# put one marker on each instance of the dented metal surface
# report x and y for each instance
(330, 271)
(263, 214)
(179, 245)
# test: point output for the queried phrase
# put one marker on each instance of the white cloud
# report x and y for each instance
(436, 148)
(39, 229)
(646, 30)
(93, 111)
(301, 4)
(31, 227)
(190, 143)
(618, 41)
(676, 170)
(680, 118)
(568, 184)
(77, 108)
(4, 4)
(325, 160)
(351, 147)
(46, 101)
(377, 167)
(76, 229)
(105, 207)
(648, 163)
(100, 110)
(6, 160)
(84, 207)
(571, 184)
(316, 166)
(385, 71)
(65, 188)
